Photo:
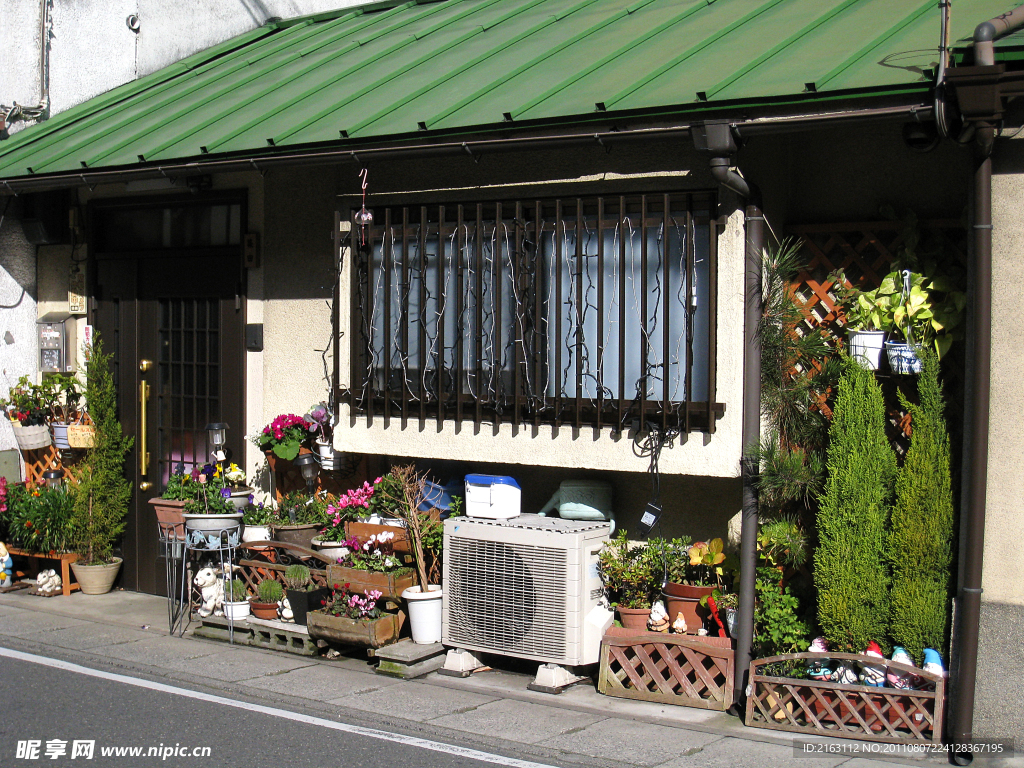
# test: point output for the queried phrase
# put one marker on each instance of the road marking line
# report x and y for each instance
(372, 733)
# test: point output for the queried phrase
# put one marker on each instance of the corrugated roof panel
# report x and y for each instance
(461, 65)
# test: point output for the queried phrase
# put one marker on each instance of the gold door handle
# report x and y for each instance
(145, 486)
(143, 453)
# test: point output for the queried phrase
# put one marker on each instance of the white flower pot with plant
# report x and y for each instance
(867, 315)
(236, 601)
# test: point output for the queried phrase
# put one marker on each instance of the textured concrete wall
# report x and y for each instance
(18, 347)
(1000, 688)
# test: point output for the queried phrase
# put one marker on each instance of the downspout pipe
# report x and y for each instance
(753, 307)
(964, 666)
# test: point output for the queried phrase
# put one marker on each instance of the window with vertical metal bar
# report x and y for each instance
(593, 311)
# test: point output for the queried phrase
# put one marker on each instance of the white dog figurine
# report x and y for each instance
(211, 586)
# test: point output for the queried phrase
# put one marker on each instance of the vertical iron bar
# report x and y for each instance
(666, 338)
(559, 224)
(645, 350)
(387, 258)
(579, 311)
(622, 311)
(441, 393)
(712, 312)
(690, 313)
(403, 314)
(600, 316)
(519, 342)
(497, 288)
(193, 364)
(478, 328)
(539, 288)
(421, 350)
(460, 331)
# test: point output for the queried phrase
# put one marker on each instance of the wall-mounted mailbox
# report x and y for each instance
(56, 342)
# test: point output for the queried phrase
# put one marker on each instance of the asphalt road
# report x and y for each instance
(46, 710)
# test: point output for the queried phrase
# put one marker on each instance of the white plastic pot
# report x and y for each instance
(331, 549)
(866, 348)
(256, 533)
(236, 611)
(425, 613)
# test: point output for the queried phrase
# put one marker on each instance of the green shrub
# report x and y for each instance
(920, 547)
(39, 519)
(270, 591)
(296, 576)
(632, 574)
(236, 592)
(849, 565)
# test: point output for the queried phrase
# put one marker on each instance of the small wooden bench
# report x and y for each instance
(67, 585)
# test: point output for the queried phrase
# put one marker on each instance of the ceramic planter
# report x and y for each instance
(210, 531)
(330, 549)
(367, 633)
(60, 436)
(256, 533)
(303, 601)
(299, 535)
(866, 347)
(685, 599)
(236, 611)
(263, 610)
(903, 358)
(389, 584)
(325, 450)
(239, 497)
(96, 579)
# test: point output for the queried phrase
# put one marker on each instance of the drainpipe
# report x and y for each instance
(718, 140)
(9, 115)
(964, 666)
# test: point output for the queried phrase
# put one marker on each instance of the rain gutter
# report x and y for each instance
(472, 147)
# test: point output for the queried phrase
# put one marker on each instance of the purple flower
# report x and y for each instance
(250, 501)
(208, 470)
(225, 492)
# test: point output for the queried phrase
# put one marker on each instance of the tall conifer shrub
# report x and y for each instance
(850, 570)
(102, 493)
(921, 540)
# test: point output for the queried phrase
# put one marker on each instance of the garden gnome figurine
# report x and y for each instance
(658, 622)
(6, 567)
(933, 662)
(900, 679)
(871, 674)
(285, 609)
(818, 669)
(679, 625)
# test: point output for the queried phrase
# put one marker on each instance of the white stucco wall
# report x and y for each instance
(18, 347)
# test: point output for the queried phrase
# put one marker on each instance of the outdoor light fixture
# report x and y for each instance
(218, 437)
(310, 469)
(53, 478)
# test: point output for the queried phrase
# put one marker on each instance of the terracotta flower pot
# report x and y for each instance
(263, 610)
(685, 599)
(633, 618)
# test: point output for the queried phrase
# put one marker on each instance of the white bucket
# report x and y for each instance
(866, 348)
(425, 613)
(236, 611)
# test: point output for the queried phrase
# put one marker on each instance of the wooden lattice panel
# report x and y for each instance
(38, 461)
(670, 669)
(259, 560)
(892, 715)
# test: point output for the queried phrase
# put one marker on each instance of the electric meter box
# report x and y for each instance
(56, 342)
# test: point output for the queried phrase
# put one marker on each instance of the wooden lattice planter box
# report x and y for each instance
(862, 712)
(686, 670)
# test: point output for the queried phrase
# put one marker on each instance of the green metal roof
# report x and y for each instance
(462, 66)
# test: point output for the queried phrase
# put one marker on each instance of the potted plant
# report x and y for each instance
(234, 480)
(61, 397)
(320, 423)
(632, 575)
(269, 594)
(179, 489)
(236, 600)
(257, 517)
(27, 411)
(331, 540)
(354, 618)
(298, 518)
(867, 315)
(210, 512)
(303, 595)
(695, 571)
(39, 518)
(102, 493)
(284, 436)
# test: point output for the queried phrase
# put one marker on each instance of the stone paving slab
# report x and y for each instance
(740, 753)
(156, 651)
(320, 682)
(517, 721)
(94, 635)
(412, 701)
(29, 624)
(237, 664)
(634, 743)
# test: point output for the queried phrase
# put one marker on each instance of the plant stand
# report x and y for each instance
(685, 670)
(68, 585)
(894, 715)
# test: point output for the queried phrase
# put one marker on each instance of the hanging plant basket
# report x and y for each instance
(32, 438)
(60, 436)
(866, 348)
(903, 358)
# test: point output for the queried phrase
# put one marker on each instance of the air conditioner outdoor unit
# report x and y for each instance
(526, 587)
